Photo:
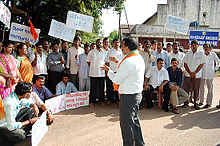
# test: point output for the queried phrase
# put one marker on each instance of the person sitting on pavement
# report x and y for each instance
(158, 80)
(65, 87)
(35, 99)
(41, 90)
(19, 120)
(177, 95)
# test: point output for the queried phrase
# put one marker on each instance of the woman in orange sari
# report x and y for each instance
(24, 65)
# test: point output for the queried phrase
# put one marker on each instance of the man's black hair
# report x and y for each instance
(38, 44)
(195, 42)
(23, 88)
(153, 42)
(147, 41)
(55, 42)
(77, 38)
(86, 45)
(176, 43)
(174, 59)
(160, 59)
(206, 44)
(41, 77)
(168, 44)
(98, 40)
(66, 75)
(105, 38)
(92, 44)
(130, 43)
(115, 39)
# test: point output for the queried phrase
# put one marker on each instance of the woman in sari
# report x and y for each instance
(5, 78)
(24, 65)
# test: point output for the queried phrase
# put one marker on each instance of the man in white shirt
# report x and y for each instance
(177, 54)
(208, 73)
(158, 80)
(130, 78)
(147, 55)
(114, 57)
(95, 59)
(39, 63)
(72, 56)
(169, 48)
(106, 44)
(193, 63)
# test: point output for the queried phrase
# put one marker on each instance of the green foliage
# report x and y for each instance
(42, 12)
(112, 36)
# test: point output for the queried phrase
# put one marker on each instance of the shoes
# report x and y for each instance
(185, 105)
(217, 106)
(196, 106)
(207, 106)
(165, 109)
(200, 104)
(175, 111)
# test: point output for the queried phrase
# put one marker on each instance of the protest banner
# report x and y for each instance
(79, 21)
(21, 33)
(176, 24)
(61, 30)
(56, 104)
(78, 99)
(204, 37)
(5, 14)
(39, 129)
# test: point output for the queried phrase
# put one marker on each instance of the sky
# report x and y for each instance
(137, 12)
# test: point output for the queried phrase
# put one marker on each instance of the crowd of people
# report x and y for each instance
(29, 76)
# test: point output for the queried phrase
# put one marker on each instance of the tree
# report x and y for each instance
(42, 12)
(112, 36)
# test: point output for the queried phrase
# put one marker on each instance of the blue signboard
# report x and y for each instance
(204, 37)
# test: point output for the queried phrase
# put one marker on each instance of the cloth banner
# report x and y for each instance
(62, 31)
(79, 21)
(177, 24)
(56, 104)
(21, 33)
(39, 129)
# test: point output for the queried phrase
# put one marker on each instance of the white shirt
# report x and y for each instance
(193, 60)
(35, 99)
(118, 55)
(211, 64)
(179, 56)
(41, 66)
(157, 76)
(147, 60)
(71, 60)
(130, 75)
(97, 59)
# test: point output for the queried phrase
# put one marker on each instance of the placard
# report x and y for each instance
(79, 21)
(61, 30)
(39, 129)
(204, 37)
(56, 104)
(5, 14)
(75, 100)
(21, 33)
(177, 24)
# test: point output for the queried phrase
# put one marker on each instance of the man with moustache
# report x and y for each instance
(193, 62)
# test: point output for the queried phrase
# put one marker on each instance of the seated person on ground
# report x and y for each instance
(19, 115)
(41, 90)
(35, 99)
(65, 87)
(158, 80)
(177, 95)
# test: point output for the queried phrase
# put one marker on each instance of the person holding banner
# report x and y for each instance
(24, 65)
(130, 78)
(19, 120)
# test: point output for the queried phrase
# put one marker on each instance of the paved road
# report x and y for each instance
(99, 126)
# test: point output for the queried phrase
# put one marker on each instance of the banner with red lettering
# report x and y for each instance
(68, 101)
(75, 100)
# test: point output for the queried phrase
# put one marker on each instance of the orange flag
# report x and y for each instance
(33, 31)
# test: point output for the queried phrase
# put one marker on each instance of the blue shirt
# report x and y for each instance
(165, 56)
(175, 76)
(83, 66)
(62, 89)
(12, 106)
(43, 93)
